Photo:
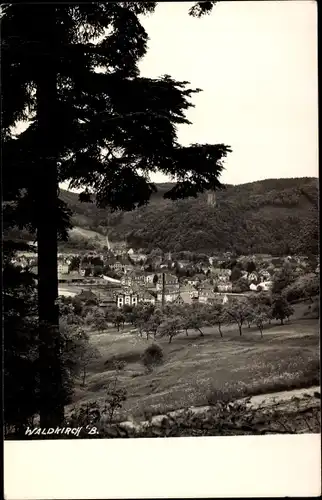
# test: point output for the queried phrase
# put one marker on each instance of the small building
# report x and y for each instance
(170, 294)
(265, 286)
(147, 297)
(193, 281)
(252, 277)
(107, 302)
(117, 266)
(138, 277)
(169, 280)
(206, 292)
(126, 280)
(183, 264)
(225, 287)
(87, 296)
(63, 267)
(149, 279)
(264, 276)
(72, 277)
(221, 275)
(137, 257)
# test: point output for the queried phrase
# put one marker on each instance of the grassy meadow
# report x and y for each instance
(199, 370)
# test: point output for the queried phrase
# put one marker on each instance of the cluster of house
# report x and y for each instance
(137, 283)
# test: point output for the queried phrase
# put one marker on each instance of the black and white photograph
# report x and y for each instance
(160, 211)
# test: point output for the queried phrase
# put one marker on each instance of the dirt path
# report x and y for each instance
(275, 397)
(263, 400)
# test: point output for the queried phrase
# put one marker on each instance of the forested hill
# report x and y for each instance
(270, 216)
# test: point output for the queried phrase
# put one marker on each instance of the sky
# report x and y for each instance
(257, 65)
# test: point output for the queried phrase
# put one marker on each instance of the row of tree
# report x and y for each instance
(174, 319)
(257, 309)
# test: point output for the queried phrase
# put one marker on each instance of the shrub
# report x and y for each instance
(152, 356)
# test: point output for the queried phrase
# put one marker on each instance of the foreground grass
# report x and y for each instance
(201, 370)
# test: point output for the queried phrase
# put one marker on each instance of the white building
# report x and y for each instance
(63, 268)
(224, 287)
(265, 286)
(126, 299)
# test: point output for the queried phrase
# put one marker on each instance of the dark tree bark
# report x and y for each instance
(220, 331)
(84, 376)
(46, 197)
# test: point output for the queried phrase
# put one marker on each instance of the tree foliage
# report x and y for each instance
(170, 327)
(238, 311)
(281, 309)
(93, 121)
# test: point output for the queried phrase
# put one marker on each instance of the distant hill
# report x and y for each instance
(274, 216)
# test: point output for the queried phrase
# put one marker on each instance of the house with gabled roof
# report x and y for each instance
(252, 277)
(87, 295)
(146, 296)
(206, 295)
(171, 292)
(169, 279)
(149, 278)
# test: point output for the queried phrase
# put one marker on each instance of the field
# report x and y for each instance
(198, 370)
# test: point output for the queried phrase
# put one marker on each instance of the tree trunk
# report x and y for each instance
(170, 339)
(219, 328)
(84, 376)
(261, 330)
(282, 322)
(201, 332)
(187, 332)
(46, 199)
(240, 330)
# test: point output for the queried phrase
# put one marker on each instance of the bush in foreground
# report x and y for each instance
(152, 356)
